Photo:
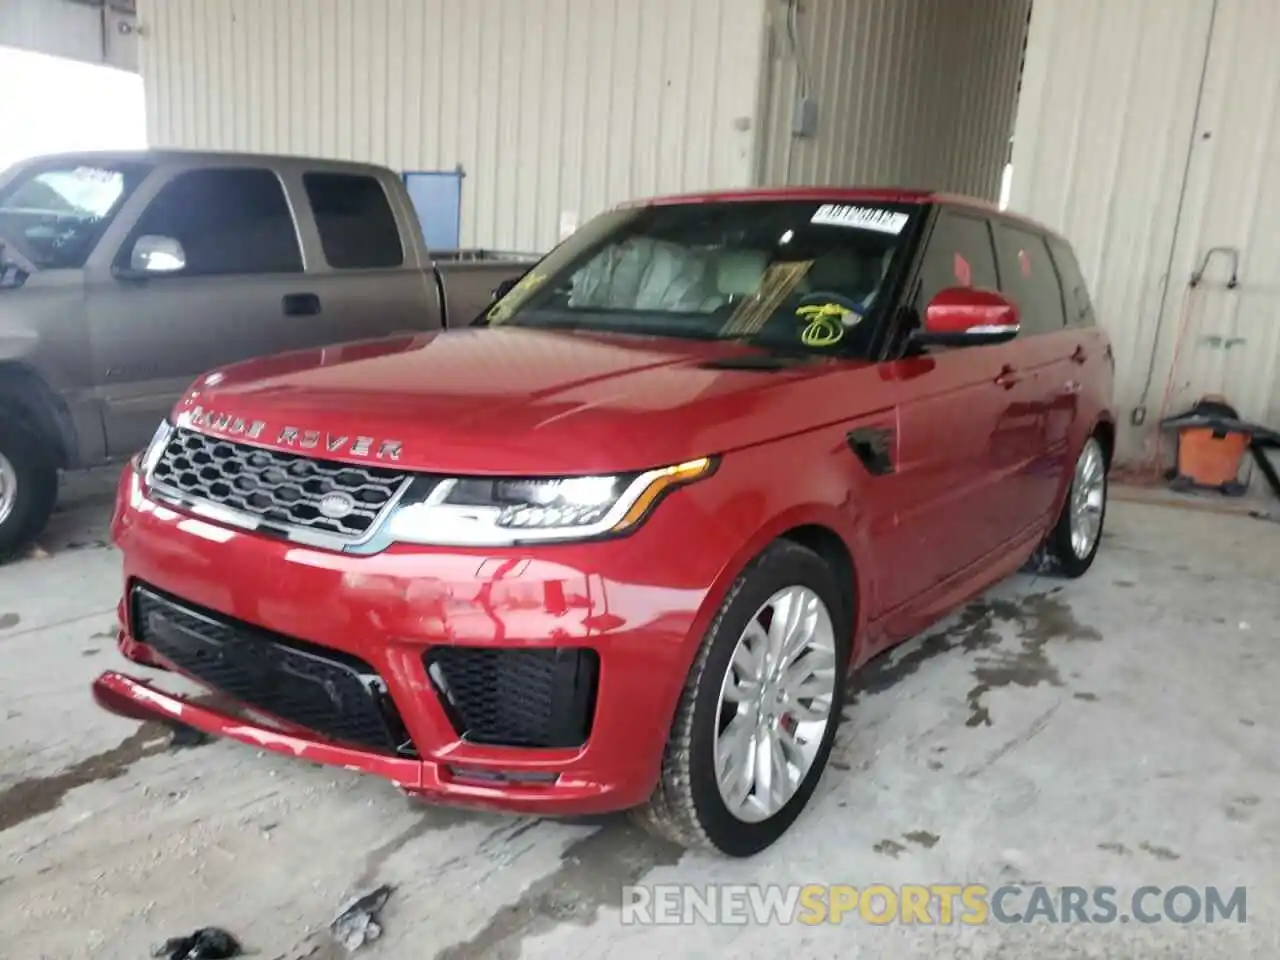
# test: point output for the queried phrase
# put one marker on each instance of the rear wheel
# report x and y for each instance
(28, 487)
(757, 719)
(1074, 540)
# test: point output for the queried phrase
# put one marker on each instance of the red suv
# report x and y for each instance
(620, 544)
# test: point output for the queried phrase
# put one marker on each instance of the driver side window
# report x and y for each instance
(960, 254)
(227, 221)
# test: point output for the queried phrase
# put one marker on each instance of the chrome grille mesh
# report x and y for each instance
(279, 488)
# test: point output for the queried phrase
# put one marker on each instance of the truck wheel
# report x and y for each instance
(1073, 542)
(758, 715)
(28, 487)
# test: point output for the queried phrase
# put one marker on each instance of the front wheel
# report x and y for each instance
(1074, 540)
(758, 715)
(28, 487)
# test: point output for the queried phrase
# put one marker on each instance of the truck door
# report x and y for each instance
(207, 275)
(365, 260)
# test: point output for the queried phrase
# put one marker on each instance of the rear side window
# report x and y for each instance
(357, 228)
(1029, 279)
(229, 221)
(1074, 290)
(959, 255)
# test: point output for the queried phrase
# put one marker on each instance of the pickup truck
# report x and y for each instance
(619, 545)
(123, 276)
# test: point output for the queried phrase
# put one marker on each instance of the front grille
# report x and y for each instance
(517, 697)
(279, 488)
(339, 696)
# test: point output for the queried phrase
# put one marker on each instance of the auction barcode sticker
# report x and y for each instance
(864, 218)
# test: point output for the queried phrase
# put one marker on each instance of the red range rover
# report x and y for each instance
(620, 544)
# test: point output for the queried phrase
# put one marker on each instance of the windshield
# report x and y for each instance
(787, 276)
(54, 214)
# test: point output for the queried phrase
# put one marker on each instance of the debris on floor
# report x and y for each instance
(357, 921)
(184, 737)
(207, 943)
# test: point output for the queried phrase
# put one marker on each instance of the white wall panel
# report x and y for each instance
(917, 94)
(1148, 131)
(550, 106)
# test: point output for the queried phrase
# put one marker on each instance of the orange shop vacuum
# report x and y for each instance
(1212, 442)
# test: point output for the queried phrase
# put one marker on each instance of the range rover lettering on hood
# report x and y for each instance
(290, 436)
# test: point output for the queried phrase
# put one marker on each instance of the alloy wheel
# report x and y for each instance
(775, 704)
(8, 488)
(1088, 498)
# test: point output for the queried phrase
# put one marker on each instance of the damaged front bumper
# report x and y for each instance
(496, 679)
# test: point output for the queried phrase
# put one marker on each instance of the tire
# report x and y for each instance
(28, 487)
(687, 806)
(1063, 554)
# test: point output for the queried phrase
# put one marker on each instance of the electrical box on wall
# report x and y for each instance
(804, 118)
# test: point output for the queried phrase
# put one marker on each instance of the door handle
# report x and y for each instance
(1079, 356)
(1007, 377)
(300, 304)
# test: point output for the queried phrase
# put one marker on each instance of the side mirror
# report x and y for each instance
(966, 317)
(153, 254)
(505, 287)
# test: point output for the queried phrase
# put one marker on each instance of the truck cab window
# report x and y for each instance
(1028, 278)
(229, 221)
(357, 228)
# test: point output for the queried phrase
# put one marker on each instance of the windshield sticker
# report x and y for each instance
(860, 218)
(94, 174)
(826, 323)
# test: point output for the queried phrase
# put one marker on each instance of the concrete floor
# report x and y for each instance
(1118, 730)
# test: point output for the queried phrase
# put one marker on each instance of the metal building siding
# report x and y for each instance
(911, 94)
(1148, 131)
(63, 28)
(549, 106)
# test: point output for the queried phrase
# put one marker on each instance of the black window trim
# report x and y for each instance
(123, 257)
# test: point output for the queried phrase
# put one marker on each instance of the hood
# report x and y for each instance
(515, 401)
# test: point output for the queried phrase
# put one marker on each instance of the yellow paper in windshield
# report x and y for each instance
(775, 286)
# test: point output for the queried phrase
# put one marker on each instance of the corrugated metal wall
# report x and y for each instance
(552, 107)
(909, 94)
(101, 33)
(1149, 131)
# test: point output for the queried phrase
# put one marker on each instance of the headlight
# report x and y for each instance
(484, 511)
(145, 461)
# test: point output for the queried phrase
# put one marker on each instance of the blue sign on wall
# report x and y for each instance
(437, 197)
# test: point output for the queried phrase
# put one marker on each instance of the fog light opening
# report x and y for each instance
(479, 775)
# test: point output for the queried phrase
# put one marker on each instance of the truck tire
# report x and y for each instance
(28, 487)
(699, 800)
